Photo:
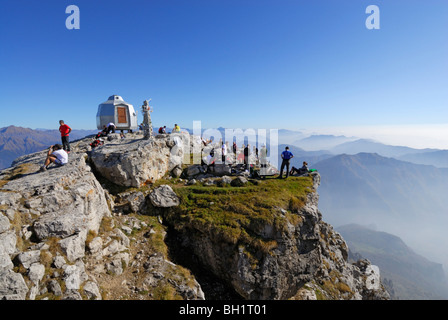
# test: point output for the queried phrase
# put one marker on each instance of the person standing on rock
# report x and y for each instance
(223, 152)
(286, 156)
(263, 161)
(57, 155)
(246, 156)
(65, 132)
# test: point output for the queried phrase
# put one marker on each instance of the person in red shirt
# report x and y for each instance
(65, 131)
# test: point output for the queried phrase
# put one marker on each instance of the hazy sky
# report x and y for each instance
(236, 64)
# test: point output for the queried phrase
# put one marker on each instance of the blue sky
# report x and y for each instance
(235, 64)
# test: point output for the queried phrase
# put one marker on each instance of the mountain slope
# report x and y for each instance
(436, 158)
(413, 276)
(373, 183)
(399, 197)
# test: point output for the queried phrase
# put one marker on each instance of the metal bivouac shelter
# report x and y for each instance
(118, 111)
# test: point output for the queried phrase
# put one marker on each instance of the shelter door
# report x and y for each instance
(122, 115)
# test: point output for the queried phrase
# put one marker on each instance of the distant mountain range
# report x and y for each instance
(18, 141)
(322, 142)
(438, 158)
(383, 186)
(407, 275)
(401, 190)
(370, 146)
(402, 198)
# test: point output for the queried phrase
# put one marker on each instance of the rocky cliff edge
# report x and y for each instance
(133, 220)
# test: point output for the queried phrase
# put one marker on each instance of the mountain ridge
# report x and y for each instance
(413, 276)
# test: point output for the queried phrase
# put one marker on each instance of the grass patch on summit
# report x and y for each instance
(242, 215)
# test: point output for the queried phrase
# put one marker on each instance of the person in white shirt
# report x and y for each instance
(223, 152)
(110, 127)
(57, 155)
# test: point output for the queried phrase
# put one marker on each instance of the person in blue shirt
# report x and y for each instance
(286, 156)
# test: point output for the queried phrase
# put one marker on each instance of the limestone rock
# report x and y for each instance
(5, 260)
(4, 223)
(8, 241)
(55, 288)
(36, 272)
(164, 197)
(28, 258)
(92, 291)
(238, 181)
(68, 199)
(130, 202)
(136, 163)
(12, 285)
(74, 246)
(220, 170)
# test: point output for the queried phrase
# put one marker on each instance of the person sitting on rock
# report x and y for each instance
(176, 129)
(57, 155)
(162, 130)
(300, 171)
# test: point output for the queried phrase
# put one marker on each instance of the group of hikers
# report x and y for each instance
(58, 153)
(242, 157)
(176, 129)
(107, 128)
(286, 159)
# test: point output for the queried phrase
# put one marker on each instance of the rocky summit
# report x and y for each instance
(133, 219)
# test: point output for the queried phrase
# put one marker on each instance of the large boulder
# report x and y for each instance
(60, 205)
(67, 199)
(135, 163)
(12, 285)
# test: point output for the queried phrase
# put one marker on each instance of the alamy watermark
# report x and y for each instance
(230, 146)
(73, 21)
(373, 20)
